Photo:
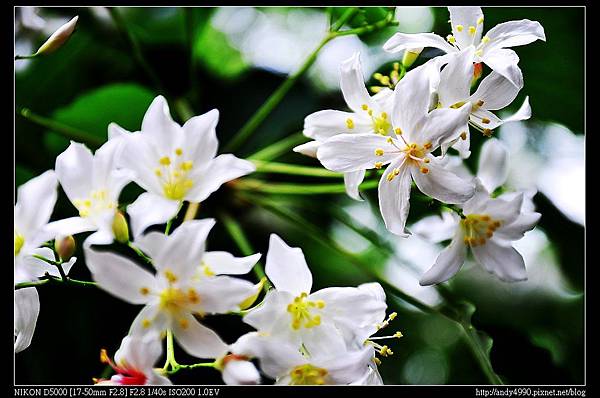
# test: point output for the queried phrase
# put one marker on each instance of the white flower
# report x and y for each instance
(467, 30)
(35, 203)
(92, 184)
(238, 370)
(493, 93)
(489, 227)
(368, 115)
(416, 134)
(324, 321)
(172, 296)
(27, 309)
(134, 362)
(174, 163)
(283, 362)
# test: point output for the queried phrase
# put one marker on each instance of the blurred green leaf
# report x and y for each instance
(212, 49)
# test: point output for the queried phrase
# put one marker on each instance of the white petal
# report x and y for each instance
(105, 163)
(466, 17)
(73, 170)
(222, 294)
(352, 180)
(201, 137)
(150, 320)
(354, 152)
(436, 228)
(444, 124)
(35, 202)
(26, 311)
(286, 267)
(374, 289)
(155, 379)
(240, 373)
(221, 262)
(267, 314)
(327, 339)
(220, 170)
(491, 120)
(501, 259)
(141, 157)
(523, 113)
(515, 33)
(402, 41)
(506, 211)
(35, 268)
(496, 92)
(394, 198)
(152, 243)
(493, 164)
(442, 184)
(455, 78)
(158, 125)
(447, 263)
(116, 131)
(150, 209)
(308, 149)
(516, 230)
(352, 83)
(183, 250)
(139, 352)
(504, 62)
(71, 226)
(347, 367)
(198, 340)
(119, 276)
(325, 124)
(462, 146)
(101, 237)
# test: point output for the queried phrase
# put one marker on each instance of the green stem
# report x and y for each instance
(68, 132)
(170, 222)
(135, 47)
(384, 23)
(57, 264)
(346, 17)
(54, 280)
(283, 168)
(139, 252)
(278, 148)
(250, 184)
(18, 57)
(235, 231)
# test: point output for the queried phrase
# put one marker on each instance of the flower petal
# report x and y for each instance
(352, 180)
(502, 260)
(506, 211)
(265, 316)
(402, 41)
(70, 226)
(504, 62)
(466, 17)
(149, 321)
(221, 262)
(237, 372)
(201, 137)
(35, 203)
(492, 170)
(447, 263)
(442, 184)
(515, 33)
(198, 340)
(73, 168)
(158, 125)
(308, 149)
(444, 124)
(139, 352)
(327, 123)
(496, 92)
(222, 294)
(116, 131)
(150, 209)
(394, 198)
(352, 83)
(354, 152)
(119, 276)
(220, 170)
(455, 78)
(436, 228)
(26, 310)
(286, 267)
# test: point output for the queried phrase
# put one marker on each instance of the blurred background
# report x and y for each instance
(233, 59)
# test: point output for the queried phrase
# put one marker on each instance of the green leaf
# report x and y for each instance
(124, 104)
(213, 50)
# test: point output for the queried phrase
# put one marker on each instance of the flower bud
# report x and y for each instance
(65, 247)
(237, 370)
(120, 228)
(410, 56)
(58, 38)
(250, 300)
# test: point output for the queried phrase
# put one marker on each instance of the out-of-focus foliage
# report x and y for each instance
(536, 326)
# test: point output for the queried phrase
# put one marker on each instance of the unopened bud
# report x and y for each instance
(58, 38)
(120, 228)
(410, 56)
(65, 247)
(238, 370)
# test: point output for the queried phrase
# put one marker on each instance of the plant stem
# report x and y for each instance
(139, 252)
(283, 168)
(278, 148)
(52, 279)
(68, 132)
(250, 184)
(18, 57)
(135, 47)
(387, 21)
(170, 222)
(57, 264)
(235, 231)
(191, 211)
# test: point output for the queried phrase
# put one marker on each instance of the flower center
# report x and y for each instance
(308, 375)
(381, 123)
(173, 299)
(19, 242)
(97, 202)
(478, 228)
(173, 175)
(300, 310)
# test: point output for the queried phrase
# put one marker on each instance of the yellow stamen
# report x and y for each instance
(350, 123)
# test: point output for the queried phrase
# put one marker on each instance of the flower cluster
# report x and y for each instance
(406, 129)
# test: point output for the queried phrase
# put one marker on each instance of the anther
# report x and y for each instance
(424, 170)
(178, 151)
(378, 152)
(463, 135)
(485, 120)
(472, 30)
(350, 123)
(479, 20)
(398, 131)
(378, 165)
(165, 161)
(451, 39)
(459, 28)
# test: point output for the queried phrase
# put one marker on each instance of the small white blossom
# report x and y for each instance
(27, 309)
